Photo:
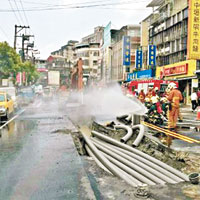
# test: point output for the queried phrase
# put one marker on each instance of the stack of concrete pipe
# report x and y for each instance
(130, 164)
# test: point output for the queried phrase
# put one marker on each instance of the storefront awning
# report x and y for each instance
(155, 3)
(186, 78)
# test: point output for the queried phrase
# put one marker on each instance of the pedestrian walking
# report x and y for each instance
(198, 97)
(194, 100)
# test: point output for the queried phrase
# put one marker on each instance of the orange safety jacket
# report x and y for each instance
(175, 97)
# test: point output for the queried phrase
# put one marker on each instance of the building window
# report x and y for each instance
(134, 33)
(185, 13)
(96, 53)
(86, 62)
(127, 69)
(179, 16)
(94, 62)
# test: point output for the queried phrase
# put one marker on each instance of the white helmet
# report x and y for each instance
(156, 89)
(172, 85)
(154, 99)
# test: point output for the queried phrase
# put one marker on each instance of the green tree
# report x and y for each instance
(10, 62)
(31, 72)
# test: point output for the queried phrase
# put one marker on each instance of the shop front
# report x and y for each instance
(184, 73)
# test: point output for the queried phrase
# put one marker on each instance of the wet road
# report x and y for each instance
(38, 158)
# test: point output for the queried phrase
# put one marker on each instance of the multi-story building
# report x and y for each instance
(118, 70)
(89, 53)
(68, 52)
(95, 37)
(63, 60)
(169, 30)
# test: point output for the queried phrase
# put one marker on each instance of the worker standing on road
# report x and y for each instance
(174, 98)
(150, 93)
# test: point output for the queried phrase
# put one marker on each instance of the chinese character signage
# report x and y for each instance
(139, 59)
(130, 77)
(193, 45)
(177, 70)
(152, 55)
(126, 51)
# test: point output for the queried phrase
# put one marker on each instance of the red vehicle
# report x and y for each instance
(145, 84)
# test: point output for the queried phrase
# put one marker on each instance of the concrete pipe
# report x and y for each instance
(128, 170)
(140, 135)
(129, 132)
(144, 173)
(136, 162)
(96, 159)
(147, 162)
(114, 166)
(129, 118)
(126, 147)
(134, 180)
(106, 162)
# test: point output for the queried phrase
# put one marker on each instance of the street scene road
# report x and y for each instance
(100, 100)
(38, 158)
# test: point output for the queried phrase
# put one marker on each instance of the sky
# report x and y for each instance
(54, 22)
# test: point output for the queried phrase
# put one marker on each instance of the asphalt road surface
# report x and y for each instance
(38, 160)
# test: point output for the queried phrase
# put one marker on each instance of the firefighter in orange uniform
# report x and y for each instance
(141, 96)
(149, 93)
(174, 98)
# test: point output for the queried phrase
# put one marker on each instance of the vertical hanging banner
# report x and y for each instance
(126, 51)
(193, 42)
(138, 59)
(152, 55)
(19, 78)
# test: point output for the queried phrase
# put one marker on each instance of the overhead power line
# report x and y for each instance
(73, 6)
(17, 9)
(26, 18)
(4, 33)
(12, 9)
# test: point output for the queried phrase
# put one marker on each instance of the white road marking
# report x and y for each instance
(1, 127)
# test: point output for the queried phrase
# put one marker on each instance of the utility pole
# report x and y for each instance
(17, 30)
(15, 37)
(24, 37)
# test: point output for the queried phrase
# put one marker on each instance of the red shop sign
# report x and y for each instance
(177, 70)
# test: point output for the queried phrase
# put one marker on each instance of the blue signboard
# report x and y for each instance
(138, 59)
(126, 51)
(130, 77)
(152, 55)
(140, 75)
(144, 74)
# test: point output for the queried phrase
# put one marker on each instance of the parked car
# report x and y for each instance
(6, 105)
(25, 96)
(12, 92)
